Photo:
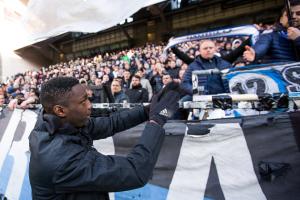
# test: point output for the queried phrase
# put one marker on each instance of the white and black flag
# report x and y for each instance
(254, 157)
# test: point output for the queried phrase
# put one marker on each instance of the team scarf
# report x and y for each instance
(247, 30)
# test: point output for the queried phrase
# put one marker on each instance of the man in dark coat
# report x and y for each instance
(137, 94)
(63, 162)
(100, 92)
(213, 84)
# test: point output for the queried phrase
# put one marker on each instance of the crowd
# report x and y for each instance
(135, 75)
(130, 75)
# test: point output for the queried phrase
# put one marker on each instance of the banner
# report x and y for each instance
(259, 79)
(248, 158)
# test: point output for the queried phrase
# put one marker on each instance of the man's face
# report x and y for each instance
(166, 79)
(172, 64)
(295, 10)
(115, 87)
(207, 49)
(98, 81)
(126, 75)
(135, 81)
(79, 107)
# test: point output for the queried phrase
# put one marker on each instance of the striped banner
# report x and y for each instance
(255, 157)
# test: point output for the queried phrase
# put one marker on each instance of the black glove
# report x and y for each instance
(165, 103)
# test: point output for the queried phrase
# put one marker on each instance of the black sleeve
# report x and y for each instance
(93, 171)
(103, 127)
(182, 56)
(108, 94)
(145, 96)
(232, 56)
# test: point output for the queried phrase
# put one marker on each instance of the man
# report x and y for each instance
(63, 162)
(173, 69)
(145, 82)
(213, 84)
(137, 94)
(166, 79)
(281, 44)
(154, 77)
(126, 80)
(118, 95)
(100, 92)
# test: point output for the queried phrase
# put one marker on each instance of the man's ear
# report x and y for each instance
(59, 111)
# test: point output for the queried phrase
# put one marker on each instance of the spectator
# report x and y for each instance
(30, 101)
(181, 73)
(281, 44)
(172, 69)
(137, 94)
(126, 80)
(213, 84)
(226, 50)
(155, 77)
(145, 82)
(118, 95)
(100, 93)
(166, 78)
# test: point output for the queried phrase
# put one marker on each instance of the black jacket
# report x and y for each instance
(64, 164)
(137, 94)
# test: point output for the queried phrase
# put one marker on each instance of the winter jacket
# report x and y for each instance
(174, 72)
(120, 97)
(156, 82)
(213, 83)
(126, 85)
(65, 165)
(275, 47)
(137, 94)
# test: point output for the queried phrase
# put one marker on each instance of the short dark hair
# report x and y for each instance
(56, 91)
(136, 76)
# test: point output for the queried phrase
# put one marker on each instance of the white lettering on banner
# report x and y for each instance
(227, 145)
(106, 147)
(253, 83)
(20, 152)
(291, 74)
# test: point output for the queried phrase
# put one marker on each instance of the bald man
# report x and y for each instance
(207, 59)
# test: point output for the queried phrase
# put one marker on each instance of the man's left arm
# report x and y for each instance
(103, 127)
